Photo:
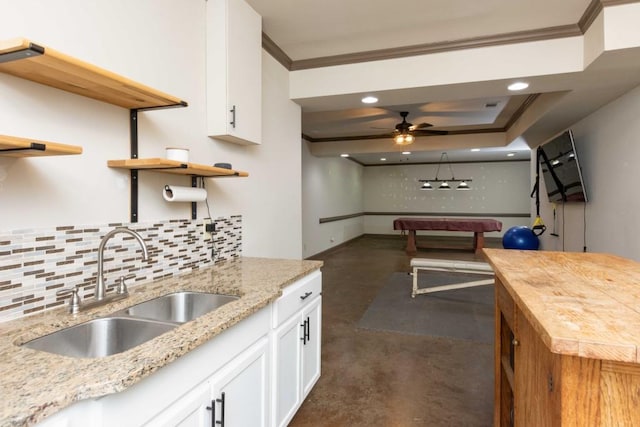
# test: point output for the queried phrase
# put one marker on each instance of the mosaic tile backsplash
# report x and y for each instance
(36, 263)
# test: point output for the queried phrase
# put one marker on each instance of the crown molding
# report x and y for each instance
(274, 50)
(607, 3)
(572, 30)
(429, 48)
(590, 14)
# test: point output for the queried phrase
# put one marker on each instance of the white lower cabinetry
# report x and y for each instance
(311, 348)
(236, 395)
(255, 374)
(287, 362)
(191, 410)
(296, 342)
(241, 389)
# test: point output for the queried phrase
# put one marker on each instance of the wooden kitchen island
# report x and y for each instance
(567, 349)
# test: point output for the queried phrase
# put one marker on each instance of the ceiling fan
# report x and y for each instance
(406, 132)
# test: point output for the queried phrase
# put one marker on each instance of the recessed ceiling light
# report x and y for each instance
(369, 100)
(511, 154)
(406, 152)
(383, 159)
(344, 155)
(475, 149)
(518, 86)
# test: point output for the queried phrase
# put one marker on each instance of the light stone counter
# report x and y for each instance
(36, 384)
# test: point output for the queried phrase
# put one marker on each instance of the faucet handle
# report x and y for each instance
(122, 286)
(74, 302)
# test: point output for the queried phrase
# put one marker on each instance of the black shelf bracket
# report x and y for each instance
(33, 146)
(29, 52)
(162, 107)
(133, 136)
(133, 129)
(194, 205)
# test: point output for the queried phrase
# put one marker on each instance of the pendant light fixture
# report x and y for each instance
(444, 183)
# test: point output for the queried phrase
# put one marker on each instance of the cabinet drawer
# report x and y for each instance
(296, 296)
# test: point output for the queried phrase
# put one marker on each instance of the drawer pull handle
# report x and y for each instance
(306, 295)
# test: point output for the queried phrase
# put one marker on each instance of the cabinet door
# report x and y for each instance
(240, 388)
(536, 379)
(234, 71)
(286, 370)
(312, 315)
(191, 410)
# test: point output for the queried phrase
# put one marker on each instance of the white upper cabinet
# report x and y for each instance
(234, 72)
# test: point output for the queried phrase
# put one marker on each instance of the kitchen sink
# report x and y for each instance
(100, 337)
(179, 307)
(129, 327)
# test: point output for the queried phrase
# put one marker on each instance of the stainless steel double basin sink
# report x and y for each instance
(129, 327)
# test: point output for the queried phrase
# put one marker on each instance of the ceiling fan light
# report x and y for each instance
(403, 139)
(444, 186)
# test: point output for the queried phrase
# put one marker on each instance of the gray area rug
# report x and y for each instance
(465, 314)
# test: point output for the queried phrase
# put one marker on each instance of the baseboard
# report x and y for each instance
(334, 248)
(489, 241)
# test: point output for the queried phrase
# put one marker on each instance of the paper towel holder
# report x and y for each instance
(169, 192)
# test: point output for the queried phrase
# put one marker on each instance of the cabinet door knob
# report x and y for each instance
(515, 342)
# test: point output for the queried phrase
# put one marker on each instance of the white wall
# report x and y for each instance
(607, 147)
(336, 186)
(330, 187)
(270, 199)
(497, 188)
(160, 43)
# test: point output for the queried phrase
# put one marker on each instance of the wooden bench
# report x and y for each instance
(428, 264)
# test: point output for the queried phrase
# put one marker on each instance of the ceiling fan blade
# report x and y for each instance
(427, 132)
(422, 126)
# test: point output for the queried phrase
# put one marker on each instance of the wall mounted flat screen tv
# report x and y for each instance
(561, 157)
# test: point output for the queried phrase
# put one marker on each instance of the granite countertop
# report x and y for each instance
(581, 304)
(35, 384)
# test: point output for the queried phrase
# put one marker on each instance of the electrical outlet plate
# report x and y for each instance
(206, 235)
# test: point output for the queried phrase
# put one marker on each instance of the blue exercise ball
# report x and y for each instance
(520, 237)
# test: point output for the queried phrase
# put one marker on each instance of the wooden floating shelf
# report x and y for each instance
(174, 167)
(13, 146)
(25, 59)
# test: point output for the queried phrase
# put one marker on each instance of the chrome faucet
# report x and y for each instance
(76, 305)
(100, 286)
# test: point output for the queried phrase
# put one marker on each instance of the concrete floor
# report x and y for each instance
(387, 378)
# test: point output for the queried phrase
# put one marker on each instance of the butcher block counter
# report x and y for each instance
(567, 347)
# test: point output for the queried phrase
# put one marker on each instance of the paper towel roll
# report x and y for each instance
(174, 193)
